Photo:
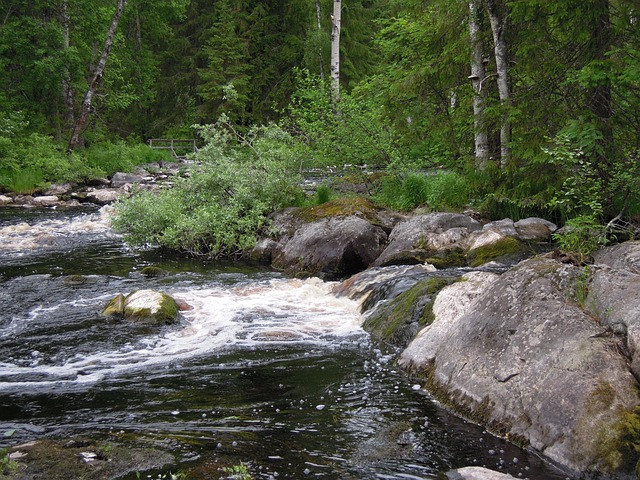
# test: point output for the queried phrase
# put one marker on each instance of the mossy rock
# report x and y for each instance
(450, 258)
(507, 248)
(115, 308)
(398, 321)
(143, 306)
(346, 206)
(152, 272)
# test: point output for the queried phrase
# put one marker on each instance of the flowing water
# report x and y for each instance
(264, 370)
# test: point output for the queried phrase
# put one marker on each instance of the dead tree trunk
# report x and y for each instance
(320, 57)
(498, 20)
(94, 82)
(477, 77)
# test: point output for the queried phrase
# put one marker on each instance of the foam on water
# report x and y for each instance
(261, 314)
(24, 237)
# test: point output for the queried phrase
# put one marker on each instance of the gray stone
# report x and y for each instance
(104, 196)
(476, 473)
(119, 179)
(535, 229)
(143, 306)
(624, 255)
(526, 361)
(418, 238)
(45, 201)
(4, 200)
(331, 247)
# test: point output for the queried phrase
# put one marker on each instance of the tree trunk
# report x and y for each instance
(67, 90)
(600, 101)
(478, 74)
(95, 80)
(335, 51)
(498, 22)
(318, 19)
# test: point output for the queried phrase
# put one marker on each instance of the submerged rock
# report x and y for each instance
(145, 306)
(522, 356)
(476, 473)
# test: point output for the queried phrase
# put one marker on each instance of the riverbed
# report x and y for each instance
(262, 370)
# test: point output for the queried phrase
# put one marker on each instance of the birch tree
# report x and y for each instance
(498, 20)
(477, 77)
(335, 50)
(94, 82)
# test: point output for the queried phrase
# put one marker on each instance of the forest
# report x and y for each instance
(525, 107)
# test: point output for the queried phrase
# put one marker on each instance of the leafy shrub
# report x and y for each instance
(219, 209)
(581, 236)
(439, 191)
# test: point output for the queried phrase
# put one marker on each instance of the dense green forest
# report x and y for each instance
(532, 106)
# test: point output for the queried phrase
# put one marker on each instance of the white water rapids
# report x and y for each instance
(251, 315)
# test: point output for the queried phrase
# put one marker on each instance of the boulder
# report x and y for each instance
(119, 179)
(4, 200)
(421, 237)
(610, 293)
(331, 247)
(535, 229)
(522, 357)
(104, 196)
(45, 201)
(476, 473)
(143, 306)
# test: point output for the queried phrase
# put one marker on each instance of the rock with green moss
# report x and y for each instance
(526, 360)
(144, 306)
(396, 322)
(423, 236)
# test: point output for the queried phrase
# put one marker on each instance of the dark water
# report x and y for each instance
(271, 372)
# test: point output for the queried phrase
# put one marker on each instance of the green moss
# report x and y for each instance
(340, 207)
(617, 444)
(502, 248)
(451, 258)
(392, 322)
(115, 308)
(151, 272)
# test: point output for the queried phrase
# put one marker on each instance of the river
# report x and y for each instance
(271, 372)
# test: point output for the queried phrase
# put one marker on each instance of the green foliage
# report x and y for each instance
(323, 194)
(7, 466)
(437, 191)
(220, 208)
(108, 158)
(238, 472)
(354, 134)
(580, 237)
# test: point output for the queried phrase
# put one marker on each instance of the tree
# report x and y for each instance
(336, 19)
(94, 82)
(498, 19)
(478, 77)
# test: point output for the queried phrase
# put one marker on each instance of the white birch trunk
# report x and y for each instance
(335, 50)
(97, 77)
(498, 28)
(478, 73)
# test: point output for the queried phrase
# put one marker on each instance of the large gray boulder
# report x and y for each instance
(421, 237)
(331, 247)
(525, 358)
(611, 289)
